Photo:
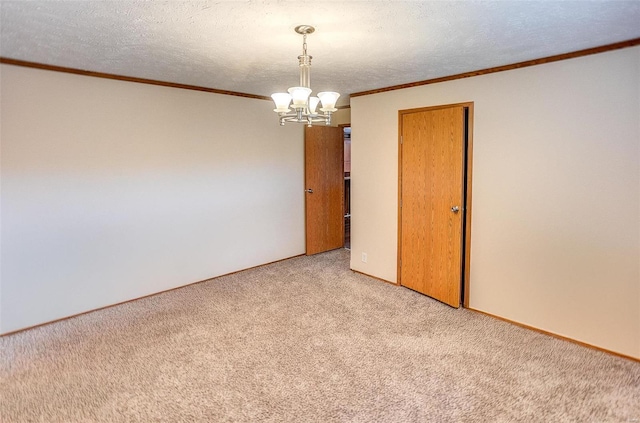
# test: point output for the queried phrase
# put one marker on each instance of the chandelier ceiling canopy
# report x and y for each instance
(297, 105)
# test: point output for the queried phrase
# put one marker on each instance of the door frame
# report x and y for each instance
(468, 166)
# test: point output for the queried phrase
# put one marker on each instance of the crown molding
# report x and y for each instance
(43, 66)
(549, 59)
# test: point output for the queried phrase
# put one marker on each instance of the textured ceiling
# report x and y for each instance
(250, 46)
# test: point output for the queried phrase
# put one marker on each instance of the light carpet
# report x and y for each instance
(305, 340)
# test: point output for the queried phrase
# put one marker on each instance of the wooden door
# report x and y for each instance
(432, 201)
(324, 187)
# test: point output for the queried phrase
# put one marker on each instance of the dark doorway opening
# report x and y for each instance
(347, 186)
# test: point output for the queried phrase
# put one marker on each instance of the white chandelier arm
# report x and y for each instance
(305, 118)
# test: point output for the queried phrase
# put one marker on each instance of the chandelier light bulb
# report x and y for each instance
(282, 101)
(328, 99)
(313, 104)
(299, 96)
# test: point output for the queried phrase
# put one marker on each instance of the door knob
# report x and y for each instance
(309, 190)
(455, 209)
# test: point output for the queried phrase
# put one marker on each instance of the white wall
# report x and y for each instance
(556, 193)
(114, 190)
(341, 117)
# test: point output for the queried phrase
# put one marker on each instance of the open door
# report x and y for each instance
(324, 186)
(432, 206)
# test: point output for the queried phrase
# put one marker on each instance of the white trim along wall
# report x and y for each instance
(556, 193)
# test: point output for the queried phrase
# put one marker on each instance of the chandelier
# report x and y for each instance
(298, 98)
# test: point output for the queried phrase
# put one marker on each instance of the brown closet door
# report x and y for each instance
(324, 186)
(431, 195)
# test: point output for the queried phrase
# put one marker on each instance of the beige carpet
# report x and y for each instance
(305, 340)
